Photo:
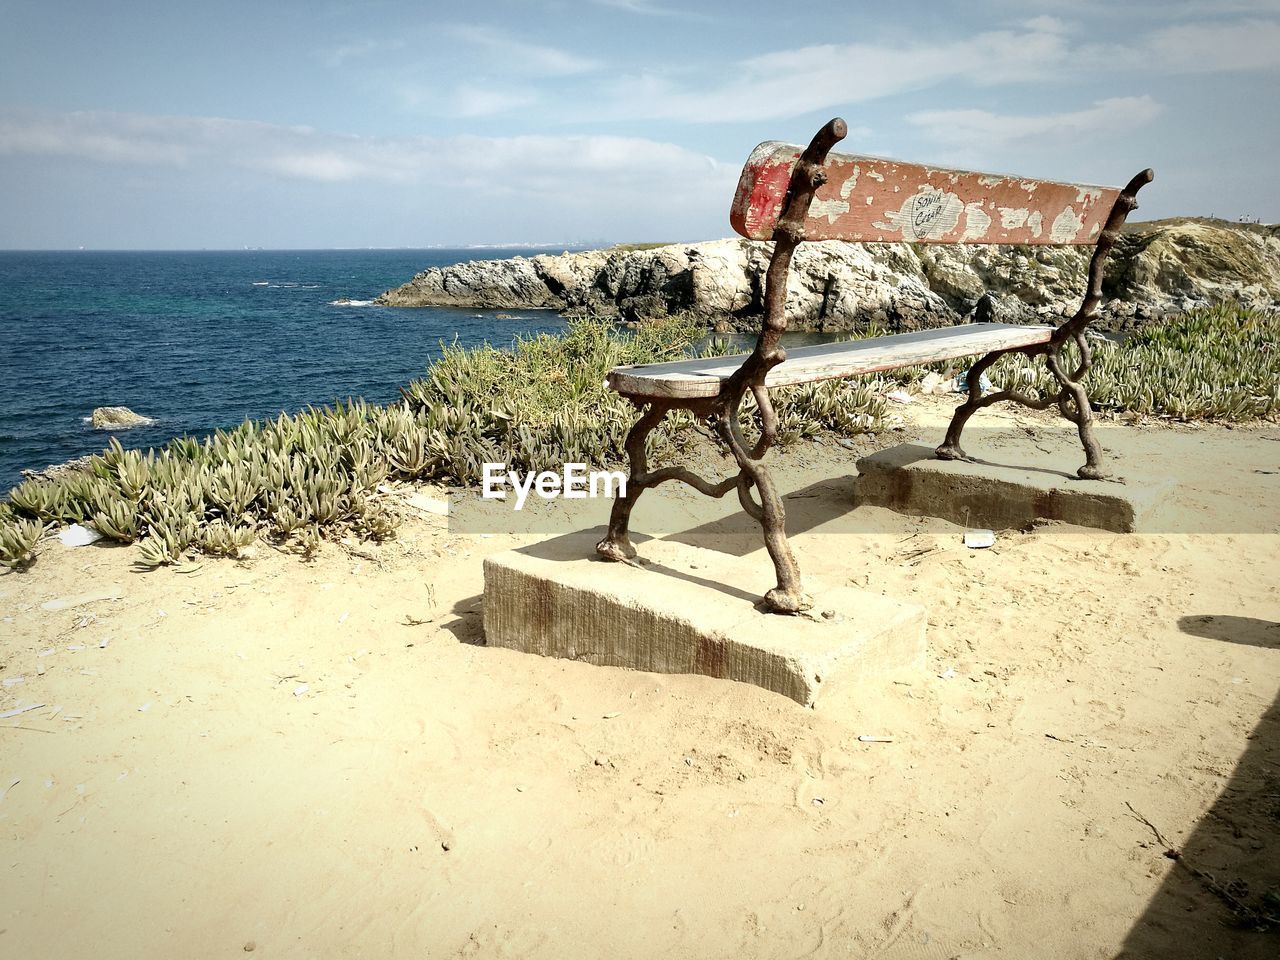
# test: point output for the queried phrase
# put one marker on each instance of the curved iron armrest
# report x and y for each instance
(807, 176)
(1125, 204)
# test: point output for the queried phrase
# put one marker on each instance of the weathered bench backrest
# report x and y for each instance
(874, 199)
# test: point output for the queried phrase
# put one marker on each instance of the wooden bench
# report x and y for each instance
(790, 194)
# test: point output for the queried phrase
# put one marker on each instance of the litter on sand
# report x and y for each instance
(979, 539)
(427, 504)
(20, 710)
(870, 739)
(900, 396)
(62, 603)
(935, 383)
(78, 535)
(961, 383)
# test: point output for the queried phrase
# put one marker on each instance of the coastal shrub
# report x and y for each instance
(1214, 363)
(538, 405)
(541, 403)
(18, 539)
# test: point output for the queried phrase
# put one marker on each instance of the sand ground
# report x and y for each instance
(323, 759)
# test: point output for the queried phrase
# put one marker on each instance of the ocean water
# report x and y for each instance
(203, 340)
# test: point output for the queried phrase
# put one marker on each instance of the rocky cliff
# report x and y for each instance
(1156, 268)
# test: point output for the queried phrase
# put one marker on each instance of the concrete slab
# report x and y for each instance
(690, 610)
(909, 479)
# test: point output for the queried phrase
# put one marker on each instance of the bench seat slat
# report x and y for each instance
(702, 377)
(873, 199)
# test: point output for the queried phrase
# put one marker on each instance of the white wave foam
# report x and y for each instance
(344, 302)
(262, 283)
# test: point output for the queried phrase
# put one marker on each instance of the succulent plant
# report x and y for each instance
(18, 539)
(309, 541)
(117, 519)
(154, 552)
(220, 538)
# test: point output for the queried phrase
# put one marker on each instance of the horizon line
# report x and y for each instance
(432, 246)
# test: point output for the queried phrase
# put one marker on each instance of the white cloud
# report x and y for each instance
(568, 165)
(979, 130)
(133, 139)
(795, 81)
(1219, 8)
(338, 55)
(1215, 47)
(1045, 24)
(1041, 51)
(646, 7)
(470, 101)
(516, 55)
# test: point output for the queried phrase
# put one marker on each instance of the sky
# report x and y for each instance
(223, 124)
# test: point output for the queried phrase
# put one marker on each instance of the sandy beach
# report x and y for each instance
(322, 759)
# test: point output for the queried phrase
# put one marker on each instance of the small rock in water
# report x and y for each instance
(115, 418)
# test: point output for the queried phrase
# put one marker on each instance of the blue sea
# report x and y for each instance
(203, 340)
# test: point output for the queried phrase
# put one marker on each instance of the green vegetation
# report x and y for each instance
(536, 406)
(1219, 363)
(632, 247)
(542, 403)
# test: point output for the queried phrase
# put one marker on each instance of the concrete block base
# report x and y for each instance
(690, 610)
(909, 479)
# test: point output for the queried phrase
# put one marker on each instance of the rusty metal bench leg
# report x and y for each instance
(1073, 403)
(722, 413)
(1071, 399)
(617, 543)
(788, 596)
(975, 401)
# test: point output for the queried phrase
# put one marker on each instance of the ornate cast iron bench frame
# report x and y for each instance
(781, 197)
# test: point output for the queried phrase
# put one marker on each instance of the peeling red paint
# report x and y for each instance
(874, 199)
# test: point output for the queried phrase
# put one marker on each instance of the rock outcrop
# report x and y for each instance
(1157, 268)
(117, 418)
